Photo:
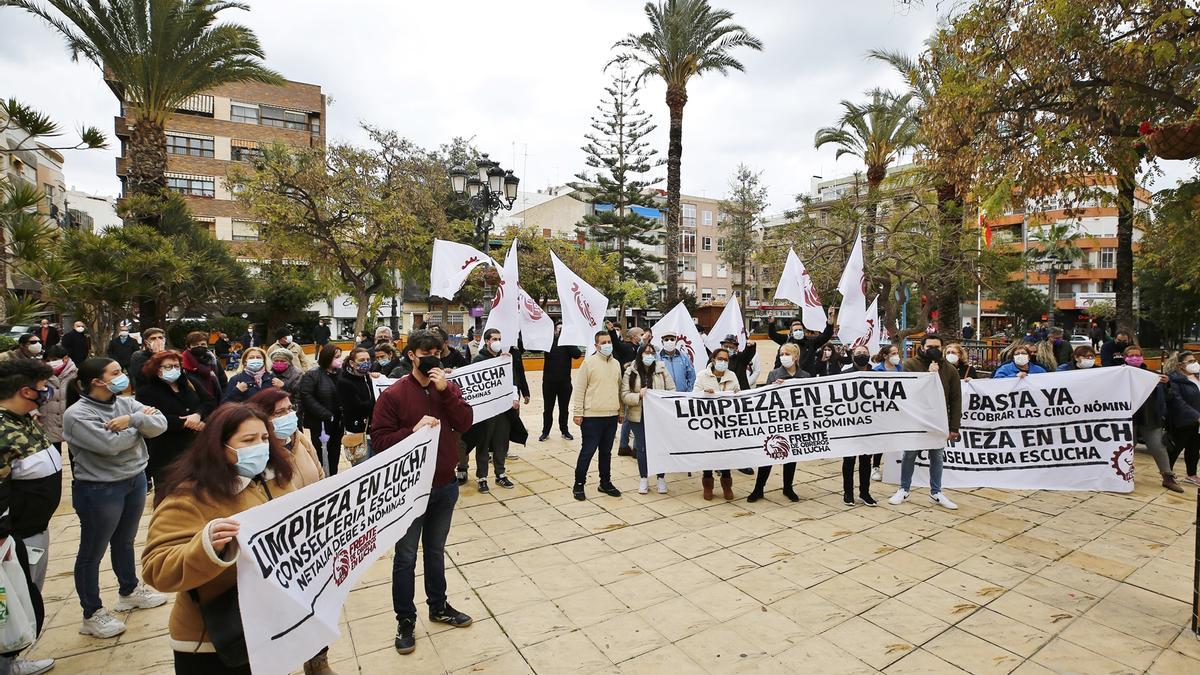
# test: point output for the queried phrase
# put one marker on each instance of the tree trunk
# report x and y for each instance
(676, 99)
(949, 287)
(1126, 185)
(362, 301)
(1052, 294)
(146, 173)
(875, 176)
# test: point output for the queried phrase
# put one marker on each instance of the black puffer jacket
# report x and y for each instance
(318, 397)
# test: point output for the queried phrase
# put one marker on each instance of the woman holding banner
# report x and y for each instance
(1149, 421)
(644, 372)
(276, 404)
(861, 363)
(1082, 358)
(234, 464)
(717, 377)
(957, 356)
(789, 369)
(1020, 365)
(889, 359)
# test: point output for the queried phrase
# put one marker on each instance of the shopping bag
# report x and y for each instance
(18, 627)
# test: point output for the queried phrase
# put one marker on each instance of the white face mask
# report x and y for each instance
(894, 359)
(494, 345)
(35, 348)
(952, 358)
(669, 345)
(55, 364)
(1193, 367)
(786, 360)
(1021, 359)
(1085, 363)
(798, 334)
(605, 349)
(720, 366)
(79, 328)
(648, 359)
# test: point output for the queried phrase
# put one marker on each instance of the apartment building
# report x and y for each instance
(701, 269)
(228, 124)
(27, 162)
(91, 212)
(555, 211)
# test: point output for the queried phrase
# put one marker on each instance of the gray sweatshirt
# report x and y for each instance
(109, 456)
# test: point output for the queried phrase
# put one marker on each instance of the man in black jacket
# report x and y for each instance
(491, 437)
(556, 385)
(77, 343)
(740, 362)
(808, 344)
(321, 334)
(122, 347)
(154, 340)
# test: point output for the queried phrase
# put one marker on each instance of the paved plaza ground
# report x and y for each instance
(1022, 582)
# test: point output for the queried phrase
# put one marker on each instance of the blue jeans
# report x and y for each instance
(597, 433)
(624, 439)
(935, 469)
(639, 444)
(109, 514)
(430, 530)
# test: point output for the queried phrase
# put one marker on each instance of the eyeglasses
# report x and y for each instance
(34, 342)
(281, 413)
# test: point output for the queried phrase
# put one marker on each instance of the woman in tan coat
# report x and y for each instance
(277, 405)
(642, 373)
(234, 464)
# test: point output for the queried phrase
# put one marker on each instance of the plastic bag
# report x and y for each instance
(18, 626)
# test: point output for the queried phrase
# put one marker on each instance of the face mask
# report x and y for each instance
(285, 426)
(118, 384)
(383, 362)
(363, 367)
(79, 328)
(668, 345)
(338, 362)
(798, 334)
(201, 353)
(494, 345)
(934, 354)
(1085, 363)
(169, 374)
(894, 359)
(648, 359)
(254, 365)
(720, 366)
(35, 348)
(952, 359)
(1121, 344)
(279, 366)
(287, 339)
(786, 360)
(606, 349)
(426, 364)
(861, 359)
(124, 334)
(43, 396)
(1193, 367)
(252, 459)
(1134, 360)
(56, 364)
(1021, 359)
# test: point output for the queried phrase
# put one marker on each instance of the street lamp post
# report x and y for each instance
(1052, 264)
(489, 190)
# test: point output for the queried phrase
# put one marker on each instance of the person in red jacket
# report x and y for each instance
(424, 398)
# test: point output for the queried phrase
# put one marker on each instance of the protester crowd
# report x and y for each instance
(208, 443)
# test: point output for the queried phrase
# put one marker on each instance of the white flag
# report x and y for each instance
(583, 307)
(729, 323)
(537, 328)
(852, 315)
(505, 315)
(690, 344)
(795, 285)
(871, 318)
(452, 264)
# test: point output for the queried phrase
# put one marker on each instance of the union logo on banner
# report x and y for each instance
(685, 345)
(777, 447)
(531, 308)
(341, 568)
(473, 259)
(810, 291)
(1122, 461)
(582, 304)
(499, 295)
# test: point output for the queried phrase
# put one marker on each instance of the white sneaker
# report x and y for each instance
(662, 486)
(23, 667)
(876, 474)
(142, 597)
(943, 501)
(102, 624)
(899, 497)
(643, 486)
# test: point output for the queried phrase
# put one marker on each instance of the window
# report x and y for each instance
(721, 244)
(685, 264)
(187, 144)
(687, 242)
(708, 217)
(314, 123)
(295, 120)
(722, 271)
(722, 293)
(706, 269)
(706, 242)
(194, 186)
(272, 117)
(689, 215)
(245, 231)
(245, 153)
(706, 294)
(1106, 286)
(242, 112)
(1108, 258)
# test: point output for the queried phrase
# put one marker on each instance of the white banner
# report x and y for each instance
(537, 328)
(795, 285)
(583, 307)
(815, 418)
(505, 314)
(1054, 431)
(688, 341)
(452, 264)
(301, 553)
(852, 313)
(729, 323)
(486, 386)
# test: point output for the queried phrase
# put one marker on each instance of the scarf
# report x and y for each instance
(208, 380)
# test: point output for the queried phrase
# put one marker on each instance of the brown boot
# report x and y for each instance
(707, 483)
(1170, 483)
(318, 665)
(727, 486)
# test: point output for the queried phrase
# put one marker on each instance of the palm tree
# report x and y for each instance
(1056, 248)
(875, 132)
(156, 53)
(686, 38)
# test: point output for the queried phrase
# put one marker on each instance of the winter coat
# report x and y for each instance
(356, 395)
(809, 346)
(559, 362)
(951, 386)
(782, 373)
(707, 379)
(319, 397)
(52, 411)
(683, 373)
(78, 345)
(1010, 369)
(122, 352)
(631, 387)
(174, 405)
(1184, 410)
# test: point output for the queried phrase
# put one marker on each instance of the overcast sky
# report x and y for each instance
(523, 78)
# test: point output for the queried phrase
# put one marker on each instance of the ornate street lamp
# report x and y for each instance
(487, 191)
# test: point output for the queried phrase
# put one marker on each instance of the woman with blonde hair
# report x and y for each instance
(252, 377)
(956, 355)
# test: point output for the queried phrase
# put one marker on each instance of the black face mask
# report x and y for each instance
(933, 354)
(201, 353)
(428, 363)
(861, 359)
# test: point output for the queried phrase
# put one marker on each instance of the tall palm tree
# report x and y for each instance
(686, 38)
(157, 53)
(876, 132)
(1057, 248)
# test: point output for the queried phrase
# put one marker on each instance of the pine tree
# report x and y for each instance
(619, 157)
(742, 213)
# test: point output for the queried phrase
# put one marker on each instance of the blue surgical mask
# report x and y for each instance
(119, 384)
(254, 365)
(606, 349)
(170, 374)
(252, 459)
(285, 426)
(648, 359)
(383, 362)
(720, 366)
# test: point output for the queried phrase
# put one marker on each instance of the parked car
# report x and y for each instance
(15, 331)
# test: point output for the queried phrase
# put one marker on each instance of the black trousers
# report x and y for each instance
(552, 391)
(331, 454)
(876, 459)
(204, 663)
(764, 472)
(1186, 440)
(864, 475)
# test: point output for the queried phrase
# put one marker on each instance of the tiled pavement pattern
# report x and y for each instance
(1021, 582)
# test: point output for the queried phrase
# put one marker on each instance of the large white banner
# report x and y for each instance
(583, 307)
(1055, 431)
(852, 313)
(798, 420)
(301, 553)
(537, 328)
(452, 264)
(486, 386)
(505, 315)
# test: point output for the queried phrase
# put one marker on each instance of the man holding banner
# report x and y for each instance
(422, 399)
(929, 360)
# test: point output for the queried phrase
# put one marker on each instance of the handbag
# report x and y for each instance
(18, 626)
(354, 447)
(223, 621)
